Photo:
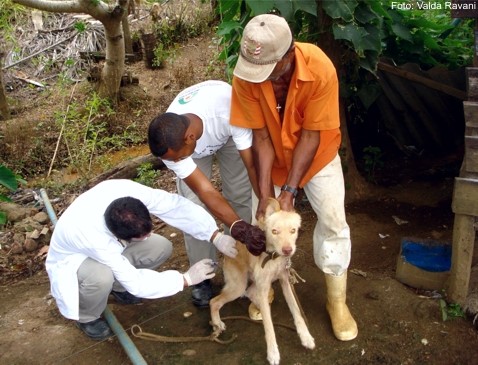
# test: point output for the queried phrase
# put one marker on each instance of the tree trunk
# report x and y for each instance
(355, 184)
(128, 42)
(113, 67)
(127, 169)
(111, 18)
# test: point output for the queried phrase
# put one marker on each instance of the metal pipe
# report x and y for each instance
(128, 345)
(130, 348)
(48, 206)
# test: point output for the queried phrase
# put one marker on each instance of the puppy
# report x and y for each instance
(281, 230)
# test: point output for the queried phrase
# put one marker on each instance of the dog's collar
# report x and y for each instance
(272, 256)
(269, 256)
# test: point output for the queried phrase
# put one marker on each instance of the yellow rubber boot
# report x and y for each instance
(254, 312)
(343, 324)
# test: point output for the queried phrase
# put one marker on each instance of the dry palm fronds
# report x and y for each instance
(56, 48)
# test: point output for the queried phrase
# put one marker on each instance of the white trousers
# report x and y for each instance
(331, 238)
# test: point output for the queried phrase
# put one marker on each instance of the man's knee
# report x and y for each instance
(94, 274)
(159, 249)
(105, 276)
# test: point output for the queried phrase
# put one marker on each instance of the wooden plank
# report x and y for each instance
(465, 196)
(470, 110)
(127, 169)
(461, 258)
(472, 83)
(457, 93)
(462, 8)
(471, 154)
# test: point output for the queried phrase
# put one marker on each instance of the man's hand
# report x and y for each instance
(253, 237)
(286, 201)
(199, 272)
(226, 244)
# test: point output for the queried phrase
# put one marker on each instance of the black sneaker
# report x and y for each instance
(96, 330)
(202, 294)
(124, 297)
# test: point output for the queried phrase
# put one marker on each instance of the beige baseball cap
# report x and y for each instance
(265, 40)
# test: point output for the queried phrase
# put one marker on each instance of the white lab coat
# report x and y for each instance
(81, 232)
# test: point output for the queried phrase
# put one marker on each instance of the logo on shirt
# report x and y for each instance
(184, 99)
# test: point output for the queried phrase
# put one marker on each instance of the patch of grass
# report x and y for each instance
(450, 311)
(147, 175)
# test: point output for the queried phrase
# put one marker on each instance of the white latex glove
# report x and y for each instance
(199, 272)
(226, 244)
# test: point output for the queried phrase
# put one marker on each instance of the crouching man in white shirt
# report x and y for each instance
(103, 244)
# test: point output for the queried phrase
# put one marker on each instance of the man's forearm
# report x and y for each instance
(264, 155)
(303, 156)
(219, 207)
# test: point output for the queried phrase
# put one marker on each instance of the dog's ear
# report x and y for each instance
(272, 207)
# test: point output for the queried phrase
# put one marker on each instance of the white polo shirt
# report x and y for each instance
(211, 102)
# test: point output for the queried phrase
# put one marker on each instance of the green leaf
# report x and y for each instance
(351, 33)
(308, 6)
(443, 308)
(8, 178)
(229, 8)
(340, 9)
(261, 7)
(378, 9)
(228, 27)
(3, 218)
(368, 94)
(429, 41)
(369, 61)
(373, 41)
(364, 14)
(286, 9)
(402, 32)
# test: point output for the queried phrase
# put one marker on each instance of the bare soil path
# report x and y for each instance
(397, 324)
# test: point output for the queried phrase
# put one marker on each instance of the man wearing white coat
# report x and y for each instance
(103, 244)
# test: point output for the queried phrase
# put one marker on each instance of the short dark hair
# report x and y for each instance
(167, 131)
(128, 218)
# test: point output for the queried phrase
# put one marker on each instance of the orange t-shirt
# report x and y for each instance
(312, 104)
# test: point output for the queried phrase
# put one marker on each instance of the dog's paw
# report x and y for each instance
(307, 341)
(254, 312)
(273, 356)
(218, 327)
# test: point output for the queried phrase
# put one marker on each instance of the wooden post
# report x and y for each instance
(462, 254)
(465, 194)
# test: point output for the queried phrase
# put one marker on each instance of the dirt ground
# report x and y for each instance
(397, 324)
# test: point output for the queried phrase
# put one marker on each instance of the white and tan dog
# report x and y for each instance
(281, 230)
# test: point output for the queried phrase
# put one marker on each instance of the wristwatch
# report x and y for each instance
(290, 189)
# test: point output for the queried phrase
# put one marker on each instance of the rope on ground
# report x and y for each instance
(258, 322)
(138, 332)
(294, 279)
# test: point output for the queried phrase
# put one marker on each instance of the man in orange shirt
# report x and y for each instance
(287, 93)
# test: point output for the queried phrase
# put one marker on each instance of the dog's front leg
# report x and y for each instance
(305, 337)
(215, 305)
(261, 300)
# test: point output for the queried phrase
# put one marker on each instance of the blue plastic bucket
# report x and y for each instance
(427, 255)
